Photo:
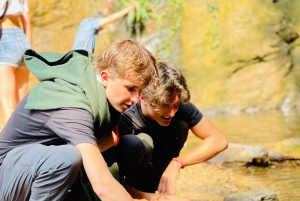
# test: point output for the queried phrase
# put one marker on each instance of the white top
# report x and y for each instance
(15, 7)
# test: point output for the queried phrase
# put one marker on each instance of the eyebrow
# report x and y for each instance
(171, 103)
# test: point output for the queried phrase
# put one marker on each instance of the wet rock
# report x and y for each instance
(254, 195)
(275, 156)
(241, 153)
(262, 162)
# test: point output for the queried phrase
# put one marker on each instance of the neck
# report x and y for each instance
(145, 111)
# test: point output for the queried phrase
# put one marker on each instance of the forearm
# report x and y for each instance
(136, 194)
(102, 181)
(213, 142)
(204, 151)
(115, 16)
(114, 192)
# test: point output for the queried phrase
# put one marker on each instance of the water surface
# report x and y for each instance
(264, 129)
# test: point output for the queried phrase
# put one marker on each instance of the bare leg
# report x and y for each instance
(8, 100)
(21, 75)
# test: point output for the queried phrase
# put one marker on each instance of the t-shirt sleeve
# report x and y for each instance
(189, 113)
(73, 125)
(25, 6)
(131, 121)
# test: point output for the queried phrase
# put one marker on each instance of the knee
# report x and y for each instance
(147, 143)
(70, 158)
(132, 143)
(134, 147)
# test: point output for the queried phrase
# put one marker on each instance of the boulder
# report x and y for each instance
(241, 153)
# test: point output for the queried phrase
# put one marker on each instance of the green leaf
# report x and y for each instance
(138, 15)
(144, 14)
(130, 18)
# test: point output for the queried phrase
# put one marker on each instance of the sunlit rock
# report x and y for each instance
(241, 153)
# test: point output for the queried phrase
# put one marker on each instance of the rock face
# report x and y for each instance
(242, 55)
(55, 23)
(236, 55)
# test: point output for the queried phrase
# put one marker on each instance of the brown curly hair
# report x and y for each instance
(170, 79)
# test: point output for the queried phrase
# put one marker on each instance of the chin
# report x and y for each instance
(122, 110)
(119, 109)
(164, 124)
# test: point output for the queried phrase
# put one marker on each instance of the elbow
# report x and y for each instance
(223, 143)
(99, 191)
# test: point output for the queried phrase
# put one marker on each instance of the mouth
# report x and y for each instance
(126, 106)
(167, 118)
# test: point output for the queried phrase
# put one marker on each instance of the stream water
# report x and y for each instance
(265, 129)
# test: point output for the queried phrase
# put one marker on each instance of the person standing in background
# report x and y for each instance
(15, 38)
(87, 33)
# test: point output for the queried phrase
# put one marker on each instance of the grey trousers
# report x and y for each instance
(37, 172)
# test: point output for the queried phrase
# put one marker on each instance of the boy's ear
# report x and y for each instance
(142, 99)
(104, 77)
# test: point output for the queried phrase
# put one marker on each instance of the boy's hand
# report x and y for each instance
(109, 4)
(132, 5)
(168, 179)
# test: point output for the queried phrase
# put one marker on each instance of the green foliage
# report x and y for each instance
(167, 13)
(135, 20)
(213, 8)
(169, 21)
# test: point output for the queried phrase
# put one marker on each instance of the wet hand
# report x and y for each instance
(168, 179)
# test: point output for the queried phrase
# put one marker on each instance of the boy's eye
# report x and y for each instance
(132, 89)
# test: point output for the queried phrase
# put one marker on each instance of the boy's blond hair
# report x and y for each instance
(170, 79)
(129, 60)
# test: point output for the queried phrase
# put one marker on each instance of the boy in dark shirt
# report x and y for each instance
(160, 123)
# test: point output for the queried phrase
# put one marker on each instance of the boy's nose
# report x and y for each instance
(171, 112)
(135, 98)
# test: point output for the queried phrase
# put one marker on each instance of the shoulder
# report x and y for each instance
(188, 107)
(189, 113)
(134, 110)
(130, 115)
(132, 119)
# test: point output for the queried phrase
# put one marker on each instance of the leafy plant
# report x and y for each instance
(135, 19)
